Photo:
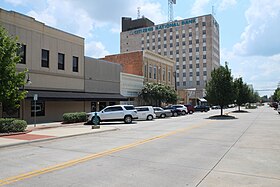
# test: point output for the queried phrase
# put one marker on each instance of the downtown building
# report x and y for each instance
(193, 44)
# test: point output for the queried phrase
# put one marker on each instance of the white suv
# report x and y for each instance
(145, 112)
(182, 108)
(125, 113)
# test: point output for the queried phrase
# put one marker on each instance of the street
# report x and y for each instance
(189, 150)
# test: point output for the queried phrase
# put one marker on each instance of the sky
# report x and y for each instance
(249, 29)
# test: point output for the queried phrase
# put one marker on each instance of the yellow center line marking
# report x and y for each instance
(90, 157)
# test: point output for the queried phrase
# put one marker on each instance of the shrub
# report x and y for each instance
(12, 125)
(74, 117)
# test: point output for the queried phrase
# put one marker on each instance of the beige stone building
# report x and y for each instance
(192, 43)
(152, 66)
(56, 64)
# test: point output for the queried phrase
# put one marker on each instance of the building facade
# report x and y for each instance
(61, 79)
(192, 43)
(152, 66)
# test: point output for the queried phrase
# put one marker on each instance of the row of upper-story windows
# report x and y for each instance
(155, 70)
(190, 83)
(45, 59)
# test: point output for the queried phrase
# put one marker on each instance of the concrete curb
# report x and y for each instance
(54, 138)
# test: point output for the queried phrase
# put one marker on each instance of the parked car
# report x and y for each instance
(161, 113)
(278, 108)
(202, 108)
(190, 108)
(145, 112)
(181, 107)
(126, 113)
(175, 111)
(216, 107)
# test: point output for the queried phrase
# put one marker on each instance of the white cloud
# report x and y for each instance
(16, 2)
(96, 49)
(198, 7)
(261, 36)
(225, 4)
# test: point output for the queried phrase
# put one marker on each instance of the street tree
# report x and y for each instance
(11, 80)
(156, 93)
(220, 89)
(276, 95)
(242, 92)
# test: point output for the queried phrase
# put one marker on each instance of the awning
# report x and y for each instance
(80, 96)
(202, 100)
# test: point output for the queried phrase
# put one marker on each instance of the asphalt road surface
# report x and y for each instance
(189, 150)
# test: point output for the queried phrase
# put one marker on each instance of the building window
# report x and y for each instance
(178, 83)
(197, 49)
(170, 29)
(169, 75)
(191, 74)
(61, 61)
(177, 36)
(184, 35)
(197, 41)
(204, 40)
(45, 58)
(184, 74)
(39, 108)
(184, 66)
(155, 72)
(150, 71)
(204, 32)
(163, 74)
(203, 23)
(75, 64)
(177, 51)
(204, 73)
(165, 45)
(190, 42)
(145, 70)
(171, 45)
(204, 48)
(204, 56)
(190, 58)
(190, 66)
(184, 83)
(184, 58)
(171, 52)
(197, 73)
(177, 67)
(197, 83)
(204, 65)
(197, 65)
(22, 53)
(190, 34)
(190, 50)
(184, 43)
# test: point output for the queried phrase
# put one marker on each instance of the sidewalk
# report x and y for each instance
(50, 131)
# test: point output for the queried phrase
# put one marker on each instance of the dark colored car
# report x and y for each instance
(190, 108)
(202, 108)
(175, 111)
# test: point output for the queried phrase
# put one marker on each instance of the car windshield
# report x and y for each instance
(129, 107)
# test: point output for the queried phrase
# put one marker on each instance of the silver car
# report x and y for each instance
(161, 113)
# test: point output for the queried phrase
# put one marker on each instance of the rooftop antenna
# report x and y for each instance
(213, 11)
(138, 13)
(170, 9)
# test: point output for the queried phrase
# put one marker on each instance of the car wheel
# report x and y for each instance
(150, 117)
(92, 121)
(190, 112)
(184, 113)
(127, 119)
(175, 114)
(278, 112)
(163, 115)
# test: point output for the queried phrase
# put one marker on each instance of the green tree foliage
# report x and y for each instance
(220, 89)
(10, 79)
(276, 95)
(156, 93)
(254, 96)
(243, 92)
